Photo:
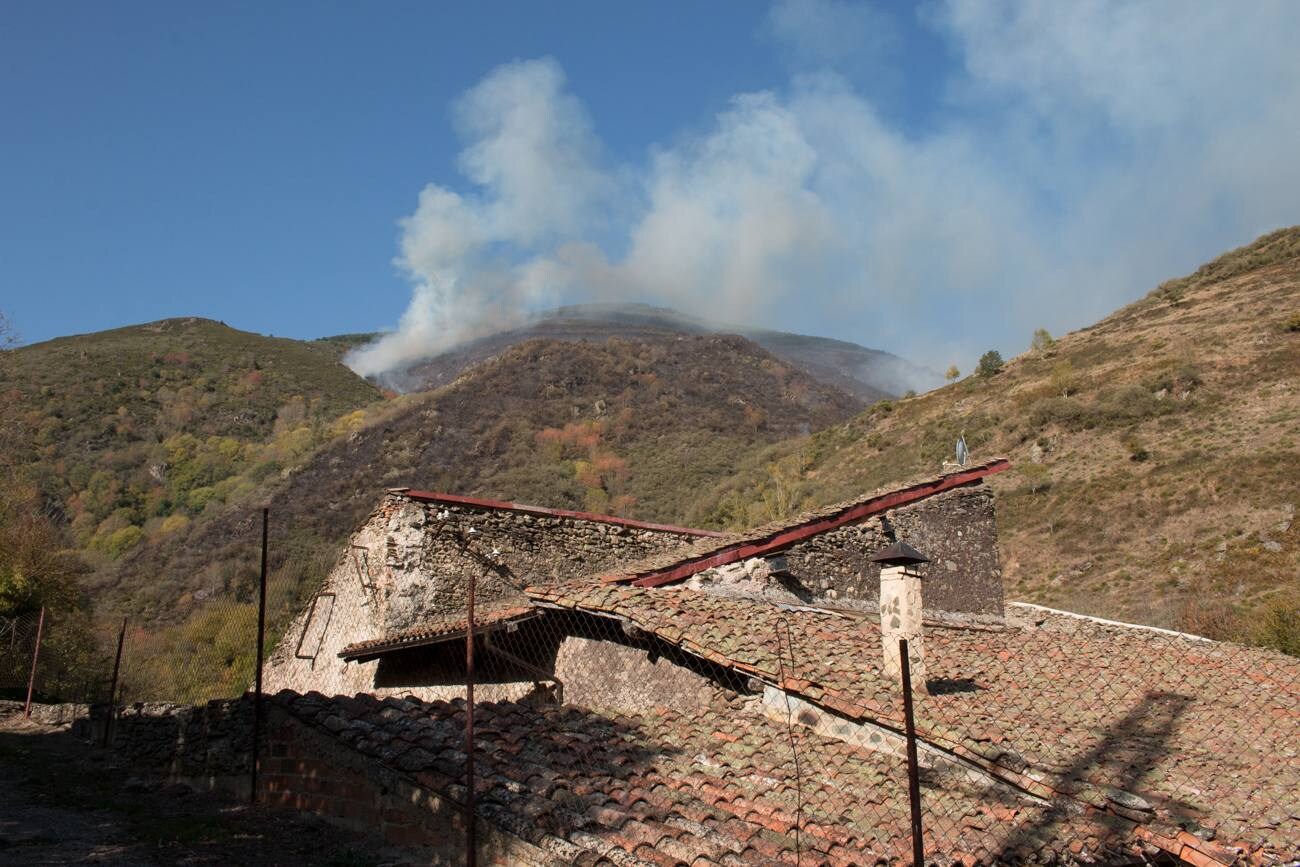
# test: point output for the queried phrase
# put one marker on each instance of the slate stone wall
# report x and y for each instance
(427, 557)
(957, 530)
(406, 566)
(211, 741)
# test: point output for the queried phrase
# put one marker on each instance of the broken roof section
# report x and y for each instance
(489, 618)
(778, 536)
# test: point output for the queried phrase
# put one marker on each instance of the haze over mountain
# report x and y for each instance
(868, 374)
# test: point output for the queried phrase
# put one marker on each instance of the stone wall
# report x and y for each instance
(47, 714)
(307, 769)
(956, 530)
(428, 556)
(611, 676)
(407, 566)
(301, 768)
(209, 745)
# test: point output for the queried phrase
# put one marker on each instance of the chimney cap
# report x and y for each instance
(899, 554)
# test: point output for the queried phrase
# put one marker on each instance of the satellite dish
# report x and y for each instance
(963, 453)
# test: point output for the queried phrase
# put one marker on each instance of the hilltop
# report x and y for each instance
(128, 434)
(867, 374)
(1156, 454)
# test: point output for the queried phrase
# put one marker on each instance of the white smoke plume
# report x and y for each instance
(1084, 152)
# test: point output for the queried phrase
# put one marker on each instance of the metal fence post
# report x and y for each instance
(257, 687)
(913, 773)
(112, 686)
(471, 849)
(36, 654)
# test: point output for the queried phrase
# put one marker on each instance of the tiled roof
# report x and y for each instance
(679, 563)
(438, 629)
(719, 786)
(1203, 731)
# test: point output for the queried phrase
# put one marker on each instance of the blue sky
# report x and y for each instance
(933, 180)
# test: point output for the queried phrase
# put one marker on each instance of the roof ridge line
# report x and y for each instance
(781, 537)
(547, 512)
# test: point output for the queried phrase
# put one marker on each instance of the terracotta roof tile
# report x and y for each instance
(438, 629)
(1199, 731)
(624, 787)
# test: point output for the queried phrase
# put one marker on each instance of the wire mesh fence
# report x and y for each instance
(623, 723)
(52, 656)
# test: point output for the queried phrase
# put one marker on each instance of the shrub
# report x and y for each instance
(1042, 340)
(1278, 625)
(1128, 403)
(1137, 451)
(1064, 411)
(1292, 323)
(118, 542)
(1064, 380)
(1036, 476)
(990, 363)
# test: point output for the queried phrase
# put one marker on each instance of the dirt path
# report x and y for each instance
(63, 802)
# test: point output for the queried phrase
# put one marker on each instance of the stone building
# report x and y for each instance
(386, 618)
(654, 695)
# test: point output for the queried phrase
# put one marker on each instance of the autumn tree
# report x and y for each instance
(1042, 341)
(952, 373)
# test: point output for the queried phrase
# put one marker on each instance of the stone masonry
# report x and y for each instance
(956, 530)
(408, 565)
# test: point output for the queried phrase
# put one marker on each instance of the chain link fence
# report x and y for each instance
(661, 725)
(53, 656)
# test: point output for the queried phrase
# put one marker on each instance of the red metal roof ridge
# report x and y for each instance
(787, 536)
(504, 505)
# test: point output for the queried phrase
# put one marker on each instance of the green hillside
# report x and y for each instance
(129, 434)
(1156, 454)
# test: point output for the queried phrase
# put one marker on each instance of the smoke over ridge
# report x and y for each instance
(1082, 154)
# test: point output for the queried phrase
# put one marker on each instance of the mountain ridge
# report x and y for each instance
(868, 374)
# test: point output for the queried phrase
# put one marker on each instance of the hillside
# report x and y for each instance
(128, 435)
(867, 374)
(1157, 455)
(635, 427)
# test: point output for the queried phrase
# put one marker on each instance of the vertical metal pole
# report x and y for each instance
(36, 654)
(257, 688)
(112, 687)
(913, 775)
(471, 850)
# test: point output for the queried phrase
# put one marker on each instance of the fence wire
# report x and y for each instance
(665, 725)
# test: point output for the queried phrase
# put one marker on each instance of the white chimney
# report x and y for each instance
(901, 611)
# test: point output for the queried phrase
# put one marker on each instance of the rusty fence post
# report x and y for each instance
(913, 770)
(36, 655)
(471, 848)
(257, 686)
(112, 686)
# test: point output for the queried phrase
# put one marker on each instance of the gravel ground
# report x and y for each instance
(64, 802)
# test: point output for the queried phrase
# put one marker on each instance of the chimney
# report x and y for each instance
(900, 610)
